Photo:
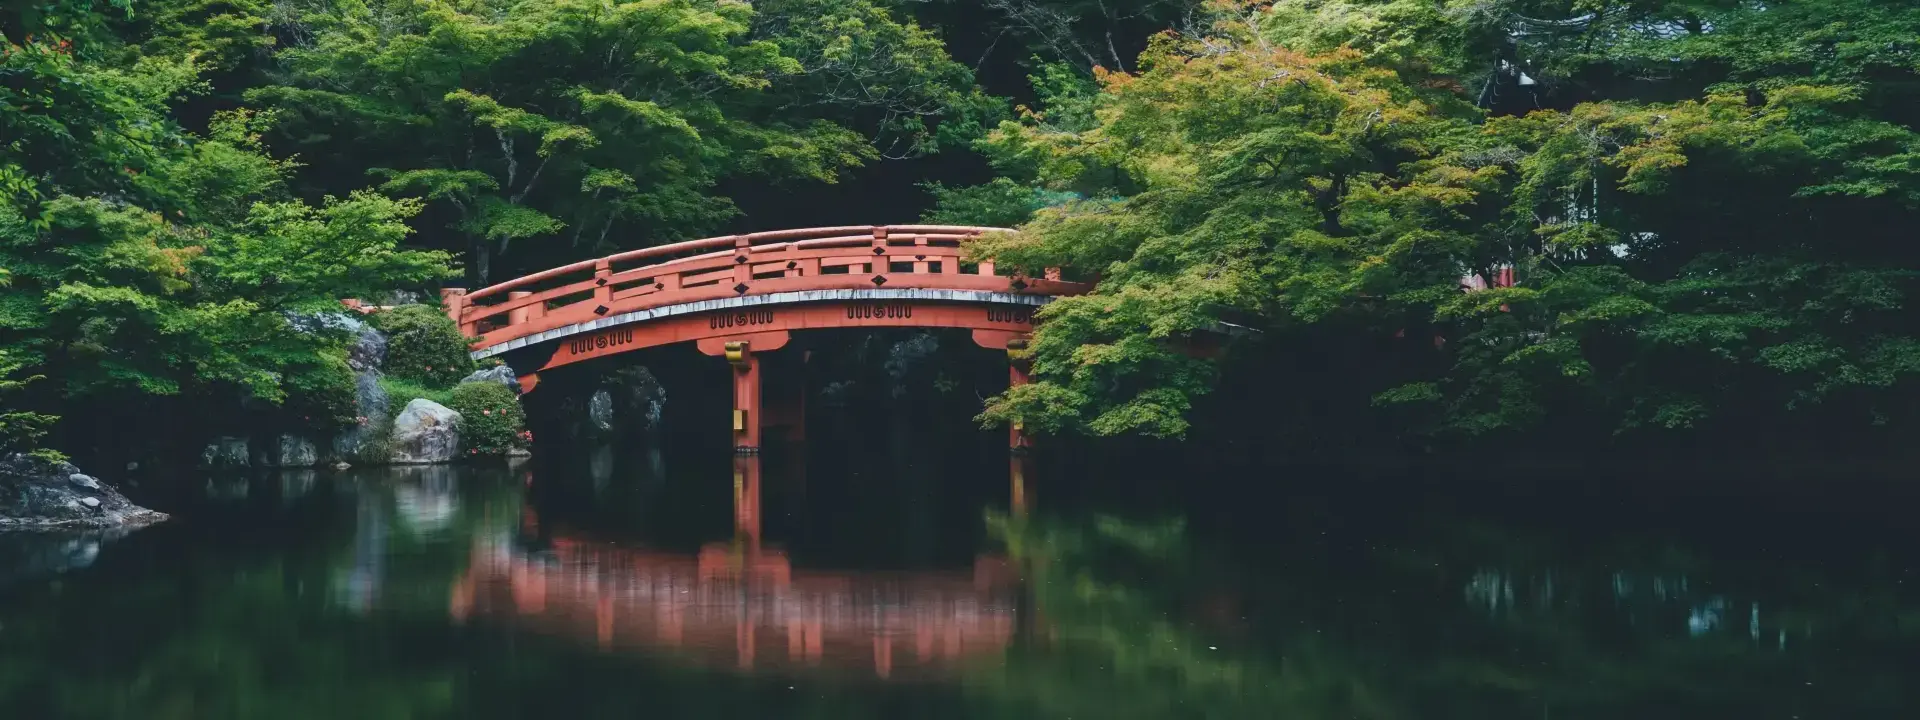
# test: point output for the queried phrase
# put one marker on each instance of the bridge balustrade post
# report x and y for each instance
(603, 282)
(519, 315)
(455, 300)
(880, 259)
(743, 260)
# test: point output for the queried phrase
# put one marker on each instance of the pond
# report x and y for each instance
(876, 574)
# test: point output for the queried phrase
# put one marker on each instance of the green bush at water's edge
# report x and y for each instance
(323, 397)
(423, 346)
(400, 392)
(491, 420)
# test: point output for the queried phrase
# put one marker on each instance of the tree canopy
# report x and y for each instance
(1700, 204)
(1461, 218)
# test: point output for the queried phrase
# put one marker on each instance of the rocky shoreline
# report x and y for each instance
(36, 494)
(423, 432)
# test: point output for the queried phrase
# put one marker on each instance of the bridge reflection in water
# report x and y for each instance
(742, 604)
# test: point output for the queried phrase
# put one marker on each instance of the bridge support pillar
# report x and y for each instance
(1015, 344)
(1017, 439)
(746, 399)
(739, 350)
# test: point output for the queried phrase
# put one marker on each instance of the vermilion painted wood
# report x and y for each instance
(746, 400)
(702, 329)
(713, 268)
(756, 342)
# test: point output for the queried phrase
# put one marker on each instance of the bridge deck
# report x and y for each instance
(849, 263)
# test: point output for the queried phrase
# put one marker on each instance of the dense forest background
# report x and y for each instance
(1534, 228)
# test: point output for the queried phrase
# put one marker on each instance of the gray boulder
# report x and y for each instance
(226, 452)
(368, 351)
(396, 298)
(642, 399)
(361, 442)
(36, 494)
(425, 432)
(600, 411)
(317, 322)
(288, 451)
(497, 374)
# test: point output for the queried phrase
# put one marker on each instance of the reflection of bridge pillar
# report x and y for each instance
(743, 641)
(1021, 495)
(603, 620)
(882, 654)
(746, 497)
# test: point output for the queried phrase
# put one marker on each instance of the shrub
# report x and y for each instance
(321, 397)
(423, 346)
(400, 392)
(491, 420)
(19, 430)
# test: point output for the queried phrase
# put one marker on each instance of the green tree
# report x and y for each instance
(1700, 203)
(424, 346)
(594, 126)
(146, 260)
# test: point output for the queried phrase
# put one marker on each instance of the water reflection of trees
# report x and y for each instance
(338, 608)
(1117, 629)
(1131, 621)
(240, 616)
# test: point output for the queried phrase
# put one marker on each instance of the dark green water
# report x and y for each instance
(892, 583)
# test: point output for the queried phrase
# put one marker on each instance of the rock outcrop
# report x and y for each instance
(369, 349)
(287, 451)
(644, 398)
(226, 452)
(425, 432)
(496, 374)
(365, 440)
(36, 494)
(600, 412)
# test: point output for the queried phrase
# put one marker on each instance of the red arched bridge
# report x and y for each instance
(739, 295)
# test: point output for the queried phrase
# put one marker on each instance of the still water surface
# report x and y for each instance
(907, 585)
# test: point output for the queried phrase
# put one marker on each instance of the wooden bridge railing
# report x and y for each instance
(720, 267)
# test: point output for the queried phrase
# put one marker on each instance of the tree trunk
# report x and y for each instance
(479, 258)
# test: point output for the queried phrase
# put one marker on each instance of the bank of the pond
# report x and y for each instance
(38, 494)
(417, 399)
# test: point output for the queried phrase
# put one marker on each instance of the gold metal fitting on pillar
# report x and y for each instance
(737, 354)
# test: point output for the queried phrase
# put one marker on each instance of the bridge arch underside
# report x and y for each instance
(764, 321)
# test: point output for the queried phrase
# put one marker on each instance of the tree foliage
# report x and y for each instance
(587, 126)
(144, 259)
(1701, 204)
(424, 346)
